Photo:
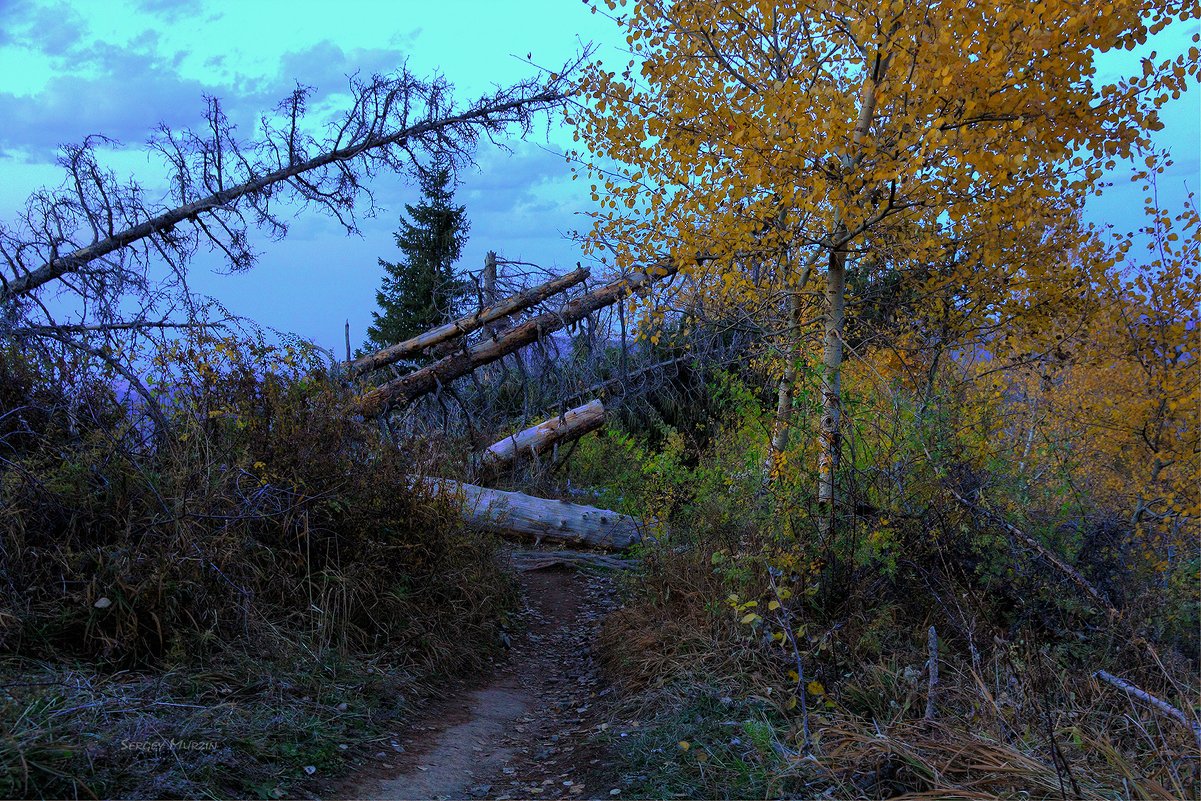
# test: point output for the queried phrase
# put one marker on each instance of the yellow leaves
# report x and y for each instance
(815, 688)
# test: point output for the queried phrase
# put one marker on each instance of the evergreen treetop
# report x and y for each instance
(420, 290)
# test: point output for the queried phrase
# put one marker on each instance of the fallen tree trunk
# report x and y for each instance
(538, 439)
(464, 325)
(421, 382)
(540, 560)
(542, 518)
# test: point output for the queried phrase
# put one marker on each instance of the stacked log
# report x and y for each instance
(421, 382)
(514, 512)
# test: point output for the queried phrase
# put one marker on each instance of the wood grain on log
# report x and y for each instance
(538, 439)
(421, 382)
(464, 325)
(542, 518)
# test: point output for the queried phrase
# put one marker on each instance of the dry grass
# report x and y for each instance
(1015, 720)
(223, 585)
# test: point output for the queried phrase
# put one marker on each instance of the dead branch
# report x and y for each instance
(1067, 570)
(932, 672)
(1148, 698)
(390, 121)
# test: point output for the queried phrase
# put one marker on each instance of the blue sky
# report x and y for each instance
(121, 66)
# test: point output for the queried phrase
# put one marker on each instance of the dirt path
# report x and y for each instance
(527, 731)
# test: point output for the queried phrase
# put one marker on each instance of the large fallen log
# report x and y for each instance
(421, 382)
(542, 518)
(464, 325)
(539, 439)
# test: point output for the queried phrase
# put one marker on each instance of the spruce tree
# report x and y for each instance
(421, 290)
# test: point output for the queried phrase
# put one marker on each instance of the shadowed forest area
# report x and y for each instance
(849, 462)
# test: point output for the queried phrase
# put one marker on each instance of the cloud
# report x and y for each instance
(124, 103)
(326, 65)
(166, 10)
(51, 29)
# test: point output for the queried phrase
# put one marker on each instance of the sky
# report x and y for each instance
(119, 67)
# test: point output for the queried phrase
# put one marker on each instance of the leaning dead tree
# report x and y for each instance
(456, 329)
(103, 234)
(117, 258)
(421, 382)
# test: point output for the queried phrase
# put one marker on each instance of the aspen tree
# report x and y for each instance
(888, 129)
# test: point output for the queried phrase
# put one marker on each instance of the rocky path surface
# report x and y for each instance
(528, 731)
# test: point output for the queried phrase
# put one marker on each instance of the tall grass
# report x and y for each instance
(266, 529)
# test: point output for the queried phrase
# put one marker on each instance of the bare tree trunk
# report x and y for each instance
(465, 325)
(784, 392)
(490, 277)
(831, 422)
(535, 440)
(426, 380)
(832, 352)
(542, 518)
(787, 386)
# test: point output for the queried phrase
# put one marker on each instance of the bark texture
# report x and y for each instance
(542, 518)
(464, 325)
(832, 352)
(539, 439)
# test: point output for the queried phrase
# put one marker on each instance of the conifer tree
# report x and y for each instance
(421, 290)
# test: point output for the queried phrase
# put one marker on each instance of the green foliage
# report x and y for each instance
(421, 290)
(1019, 640)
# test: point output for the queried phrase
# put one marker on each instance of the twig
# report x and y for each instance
(1064, 568)
(785, 621)
(1146, 697)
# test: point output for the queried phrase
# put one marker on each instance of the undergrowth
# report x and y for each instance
(703, 652)
(185, 611)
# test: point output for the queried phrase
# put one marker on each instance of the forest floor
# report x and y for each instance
(535, 727)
